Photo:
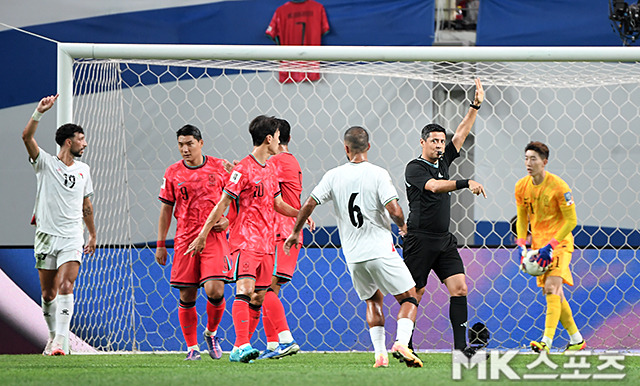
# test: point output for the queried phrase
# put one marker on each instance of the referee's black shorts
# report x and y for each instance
(424, 252)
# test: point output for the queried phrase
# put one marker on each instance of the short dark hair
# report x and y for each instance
(539, 148)
(428, 129)
(285, 131)
(357, 138)
(261, 127)
(68, 130)
(189, 130)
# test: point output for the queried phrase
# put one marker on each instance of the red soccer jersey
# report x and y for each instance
(289, 177)
(254, 188)
(299, 24)
(193, 192)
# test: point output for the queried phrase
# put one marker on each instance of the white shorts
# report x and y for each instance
(388, 274)
(53, 251)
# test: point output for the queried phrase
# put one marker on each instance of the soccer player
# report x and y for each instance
(63, 202)
(428, 244)
(193, 186)
(254, 188)
(280, 342)
(362, 194)
(545, 203)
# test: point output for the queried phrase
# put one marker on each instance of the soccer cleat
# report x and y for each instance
(283, 350)
(404, 354)
(47, 348)
(213, 345)
(193, 355)
(265, 354)
(382, 360)
(56, 349)
(576, 347)
(539, 347)
(244, 355)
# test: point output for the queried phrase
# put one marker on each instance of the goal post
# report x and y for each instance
(584, 102)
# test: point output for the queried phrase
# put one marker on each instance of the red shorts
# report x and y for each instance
(213, 263)
(285, 264)
(252, 265)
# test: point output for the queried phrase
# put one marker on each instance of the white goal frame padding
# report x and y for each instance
(69, 51)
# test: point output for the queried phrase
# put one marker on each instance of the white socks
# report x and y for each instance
(405, 329)
(377, 338)
(576, 338)
(63, 317)
(285, 337)
(49, 312)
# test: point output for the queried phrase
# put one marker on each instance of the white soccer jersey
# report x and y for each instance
(359, 192)
(61, 190)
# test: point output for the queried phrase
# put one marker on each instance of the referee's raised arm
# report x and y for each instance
(467, 122)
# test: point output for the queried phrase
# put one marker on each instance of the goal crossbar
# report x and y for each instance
(67, 52)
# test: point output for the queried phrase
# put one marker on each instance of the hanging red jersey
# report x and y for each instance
(299, 23)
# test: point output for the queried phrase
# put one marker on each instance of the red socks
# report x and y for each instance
(189, 322)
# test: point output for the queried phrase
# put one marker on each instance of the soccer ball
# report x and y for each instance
(531, 266)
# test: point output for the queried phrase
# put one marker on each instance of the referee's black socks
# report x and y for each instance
(458, 316)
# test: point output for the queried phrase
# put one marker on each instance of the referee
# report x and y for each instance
(428, 244)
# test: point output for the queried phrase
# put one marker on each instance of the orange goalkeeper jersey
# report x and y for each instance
(547, 207)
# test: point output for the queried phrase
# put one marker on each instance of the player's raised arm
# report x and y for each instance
(30, 130)
(467, 122)
(303, 215)
(199, 243)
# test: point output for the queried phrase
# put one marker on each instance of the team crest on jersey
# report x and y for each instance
(164, 183)
(235, 177)
(212, 179)
(568, 198)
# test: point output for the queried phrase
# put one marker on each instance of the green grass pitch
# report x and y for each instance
(303, 369)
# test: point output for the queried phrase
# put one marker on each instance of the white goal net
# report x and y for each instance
(588, 113)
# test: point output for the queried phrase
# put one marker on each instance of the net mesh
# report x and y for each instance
(585, 112)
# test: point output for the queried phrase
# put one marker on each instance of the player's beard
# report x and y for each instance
(77, 153)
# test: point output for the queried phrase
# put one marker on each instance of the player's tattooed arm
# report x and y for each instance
(87, 216)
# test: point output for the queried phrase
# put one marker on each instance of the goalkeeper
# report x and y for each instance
(545, 203)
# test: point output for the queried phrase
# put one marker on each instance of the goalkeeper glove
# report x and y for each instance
(522, 249)
(545, 256)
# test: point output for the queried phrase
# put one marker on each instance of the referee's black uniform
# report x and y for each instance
(429, 244)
